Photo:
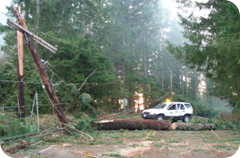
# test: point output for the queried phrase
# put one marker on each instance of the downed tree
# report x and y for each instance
(14, 149)
(133, 124)
(193, 126)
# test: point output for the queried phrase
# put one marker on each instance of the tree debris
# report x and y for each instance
(14, 149)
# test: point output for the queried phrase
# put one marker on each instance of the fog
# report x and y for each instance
(3, 19)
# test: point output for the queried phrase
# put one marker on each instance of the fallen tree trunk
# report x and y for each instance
(133, 124)
(193, 126)
(14, 149)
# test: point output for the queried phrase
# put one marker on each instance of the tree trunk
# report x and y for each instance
(133, 124)
(182, 85)
(192, 126)
(186, 82)
(195, 84)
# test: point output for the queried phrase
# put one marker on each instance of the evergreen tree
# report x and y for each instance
(213, 47)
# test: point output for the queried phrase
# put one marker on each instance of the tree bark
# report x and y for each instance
(133, 124)
(186, 78)
(193, 126)
(182, 84)
(140, 124)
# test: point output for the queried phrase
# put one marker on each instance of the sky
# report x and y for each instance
(3, 18)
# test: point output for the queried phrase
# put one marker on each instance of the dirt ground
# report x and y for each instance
(139, 144)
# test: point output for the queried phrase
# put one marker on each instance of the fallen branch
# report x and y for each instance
(152, 102)
(12, 150)
(202, 126)
(111, 116)
(41, 151)
(72, 127)
(81, 88)
(220, 138)
(91, 138)
(33, 137)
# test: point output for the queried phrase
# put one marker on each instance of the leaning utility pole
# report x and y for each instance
(21, 104)
(42, 71)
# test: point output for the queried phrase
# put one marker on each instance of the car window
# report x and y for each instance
(160, 106)
(172, 107)
(188, 106)
(181, 107)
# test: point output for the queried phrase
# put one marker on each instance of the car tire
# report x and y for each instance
(186, 118)
(160, 117)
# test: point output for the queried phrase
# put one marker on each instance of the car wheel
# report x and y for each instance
(160, 117)
(186, 118)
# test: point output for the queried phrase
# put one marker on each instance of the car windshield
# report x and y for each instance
(161, 106)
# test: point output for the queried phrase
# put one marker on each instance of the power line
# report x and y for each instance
(78, 47)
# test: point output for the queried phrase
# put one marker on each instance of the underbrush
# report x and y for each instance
(11, 125)
(203, 108)
(226, 121)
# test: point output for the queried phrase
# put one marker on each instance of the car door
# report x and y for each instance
(181, 109)
(172, 110)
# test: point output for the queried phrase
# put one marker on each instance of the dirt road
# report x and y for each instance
(141, 144)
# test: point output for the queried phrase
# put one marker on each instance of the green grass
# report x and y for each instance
(140, 156)
(113, 155)
(38, 156)
(236, 141)
(173, 141)
(32, 147)
(198, 150)
(220, 146)
(212, 141)
(158, 144)
(134, 145)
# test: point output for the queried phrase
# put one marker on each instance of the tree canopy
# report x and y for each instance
(124, 40)
(213, 46)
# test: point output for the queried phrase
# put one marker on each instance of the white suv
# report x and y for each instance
(175, 110)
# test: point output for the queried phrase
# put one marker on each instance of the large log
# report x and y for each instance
(133, 124)
(193, 126)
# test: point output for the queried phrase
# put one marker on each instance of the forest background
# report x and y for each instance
(135, 46)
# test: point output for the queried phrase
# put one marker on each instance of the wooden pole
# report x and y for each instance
(21, 103)
(35, 37)
(53, 97)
